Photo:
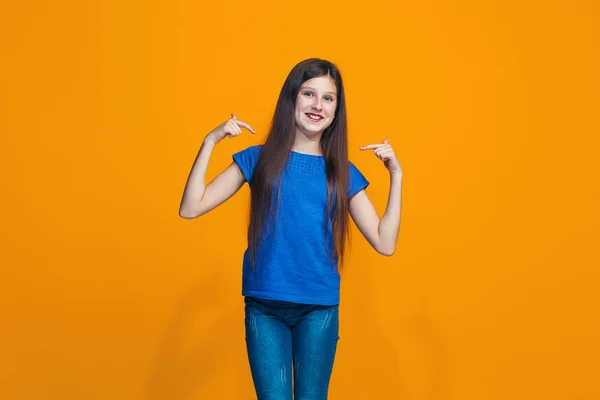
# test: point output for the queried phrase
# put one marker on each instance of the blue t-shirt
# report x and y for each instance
(292, 262)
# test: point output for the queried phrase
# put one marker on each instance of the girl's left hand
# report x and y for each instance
(386, 154)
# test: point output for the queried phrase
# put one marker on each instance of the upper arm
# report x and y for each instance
(365, 217)
(221, 188)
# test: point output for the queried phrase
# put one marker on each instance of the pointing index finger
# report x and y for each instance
(372, 146)
(244, 125)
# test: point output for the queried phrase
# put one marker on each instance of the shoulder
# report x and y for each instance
(252, 149)
(247, 159)
(353, 169)
(250, 153)
(357, 181)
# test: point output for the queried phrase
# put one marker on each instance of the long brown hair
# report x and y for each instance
(276, 150)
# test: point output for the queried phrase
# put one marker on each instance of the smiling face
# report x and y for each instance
(315, 105)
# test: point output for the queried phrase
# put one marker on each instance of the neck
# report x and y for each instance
(307, 144)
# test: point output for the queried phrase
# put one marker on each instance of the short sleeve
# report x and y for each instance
(246, 160)
(357, 180)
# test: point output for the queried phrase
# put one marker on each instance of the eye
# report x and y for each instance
(328, 98)
(308, 93)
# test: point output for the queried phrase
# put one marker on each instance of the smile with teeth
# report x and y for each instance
(314, 117)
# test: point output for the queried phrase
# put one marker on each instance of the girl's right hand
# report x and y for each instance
(230, 128)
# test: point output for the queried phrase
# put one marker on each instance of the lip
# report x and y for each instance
(312, 120)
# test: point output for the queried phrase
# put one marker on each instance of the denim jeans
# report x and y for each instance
(280, 335)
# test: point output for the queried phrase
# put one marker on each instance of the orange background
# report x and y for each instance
(492, 108)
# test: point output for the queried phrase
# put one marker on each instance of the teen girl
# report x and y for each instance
(303, 188)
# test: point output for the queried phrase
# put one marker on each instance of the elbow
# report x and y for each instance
(387, 252)
(191, 210)
(184, 215)
(188, 214)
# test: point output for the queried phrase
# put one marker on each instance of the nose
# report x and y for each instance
(317, 105)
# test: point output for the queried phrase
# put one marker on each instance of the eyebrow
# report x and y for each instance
(308, 87)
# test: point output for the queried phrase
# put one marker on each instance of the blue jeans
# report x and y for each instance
(280, 335)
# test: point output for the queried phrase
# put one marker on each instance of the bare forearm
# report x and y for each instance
(196, 185)
(389, 225)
